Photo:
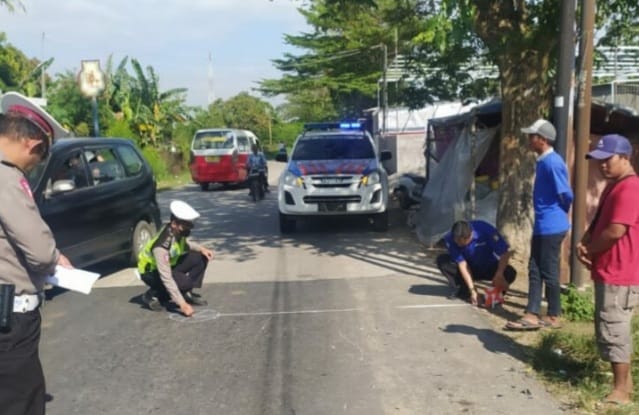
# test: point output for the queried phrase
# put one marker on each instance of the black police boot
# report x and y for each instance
(194, 299)
(151, 300)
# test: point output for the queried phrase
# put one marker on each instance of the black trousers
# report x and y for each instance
(450, 269)
(188, 274)
(22, 388)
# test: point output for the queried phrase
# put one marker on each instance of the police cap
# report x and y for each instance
(15, 103)
(183, 211)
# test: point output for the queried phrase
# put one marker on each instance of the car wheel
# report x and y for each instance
(204, 186)
(142, 234)
(287, 224)
(380, 222)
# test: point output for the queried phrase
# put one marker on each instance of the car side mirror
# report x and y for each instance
(385, 155)
(283, 157)
(62, 186)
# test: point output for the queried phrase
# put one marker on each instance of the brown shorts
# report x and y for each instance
(613, 312)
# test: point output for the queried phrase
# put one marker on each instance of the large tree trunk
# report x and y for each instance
(522, 53)
(521, 105)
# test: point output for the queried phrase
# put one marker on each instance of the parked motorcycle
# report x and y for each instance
(256, 184)
(409, 190)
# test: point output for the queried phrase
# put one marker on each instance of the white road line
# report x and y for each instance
(337, 310)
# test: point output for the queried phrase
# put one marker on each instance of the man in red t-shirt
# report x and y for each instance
(610, 249)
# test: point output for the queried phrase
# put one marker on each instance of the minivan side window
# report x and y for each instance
(243, 143)
(73, 168)
(105, 166)
(131, 160)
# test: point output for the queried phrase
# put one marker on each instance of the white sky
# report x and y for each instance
(173, 36)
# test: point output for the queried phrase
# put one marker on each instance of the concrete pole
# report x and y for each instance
(384, 89)
(563, 113)
(578, 274)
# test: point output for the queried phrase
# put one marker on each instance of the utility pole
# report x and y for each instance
(563, 112)
(384, 88)
(577, 270)
(211, 97)
(43, 91)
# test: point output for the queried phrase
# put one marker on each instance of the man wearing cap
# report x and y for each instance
(552, 197)
(610, 249)
(172, 266)
(28, 254)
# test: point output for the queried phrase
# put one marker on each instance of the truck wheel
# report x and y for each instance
(287, 224)
(142, 233)
(204, 186)
(380, 222)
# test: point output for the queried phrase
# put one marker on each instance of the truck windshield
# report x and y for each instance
(331, 148)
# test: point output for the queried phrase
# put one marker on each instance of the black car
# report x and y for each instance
(98, 196)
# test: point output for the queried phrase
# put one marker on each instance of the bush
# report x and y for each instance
(577, 305)
(120, 128)
(156, 161)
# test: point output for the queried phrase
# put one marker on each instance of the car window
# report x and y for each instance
(72, 168)
(243, 143)
(131, 160)
(35, 175)
(105, 166)
(220, 139)
(333, 147)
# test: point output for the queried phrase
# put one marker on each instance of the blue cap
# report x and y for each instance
(609, 145)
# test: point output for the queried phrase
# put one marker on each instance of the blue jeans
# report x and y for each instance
(543, 267)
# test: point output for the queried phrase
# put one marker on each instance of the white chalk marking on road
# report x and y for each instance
(403, 307)
(208, 314)
(275, 313)
(334, 310)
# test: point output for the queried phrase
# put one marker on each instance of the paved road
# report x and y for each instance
(332, 319)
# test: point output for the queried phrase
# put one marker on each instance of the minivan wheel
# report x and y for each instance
(380, 222)
(142, 234)
(287, 224)
(204, 186)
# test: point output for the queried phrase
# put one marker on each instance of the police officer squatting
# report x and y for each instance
(173, 266)
(28, 253)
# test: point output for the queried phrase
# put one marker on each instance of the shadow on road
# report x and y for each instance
(493, 341)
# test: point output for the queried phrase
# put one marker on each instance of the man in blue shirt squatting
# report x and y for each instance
(476, 251)
(552, 197)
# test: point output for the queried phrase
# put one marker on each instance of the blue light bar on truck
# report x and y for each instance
(344, 125)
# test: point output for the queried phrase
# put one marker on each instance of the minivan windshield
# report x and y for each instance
(219, 139)
(333, 147)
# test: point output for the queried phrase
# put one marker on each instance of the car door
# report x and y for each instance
(112, 196)
(244, 149)
(66, 201)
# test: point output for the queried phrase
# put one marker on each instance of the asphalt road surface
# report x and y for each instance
(332, 319)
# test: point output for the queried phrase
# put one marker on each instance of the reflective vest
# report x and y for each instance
(146, 260)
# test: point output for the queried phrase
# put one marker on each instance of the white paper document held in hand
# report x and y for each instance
(73, 279)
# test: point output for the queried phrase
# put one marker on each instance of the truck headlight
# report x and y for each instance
(293, 180)
(371, 179)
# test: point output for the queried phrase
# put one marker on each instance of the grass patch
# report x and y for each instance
(170, 182)
(569, 361)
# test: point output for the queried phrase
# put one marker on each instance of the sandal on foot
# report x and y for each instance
(550, 324)
(523, 325)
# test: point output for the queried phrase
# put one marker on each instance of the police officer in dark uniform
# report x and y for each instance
(476, 251)
(28, 254)
(173, 266)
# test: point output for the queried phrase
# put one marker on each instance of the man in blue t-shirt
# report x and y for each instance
(476, 251)
(552, 197)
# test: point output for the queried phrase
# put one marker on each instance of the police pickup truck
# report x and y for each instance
(334, 169)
